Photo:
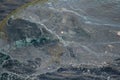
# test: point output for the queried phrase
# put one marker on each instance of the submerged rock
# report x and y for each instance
(42, 39)
(8, 76)
(3, 57)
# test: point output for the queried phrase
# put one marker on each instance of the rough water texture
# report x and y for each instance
(62, 40)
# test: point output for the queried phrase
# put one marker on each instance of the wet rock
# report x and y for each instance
(17, 67)
(10, 76)
(3, 57)
(20, 29)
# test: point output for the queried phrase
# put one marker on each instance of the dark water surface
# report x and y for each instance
(7, 6)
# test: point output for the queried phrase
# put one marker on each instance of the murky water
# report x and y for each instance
(62, 40)
(7, 6)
